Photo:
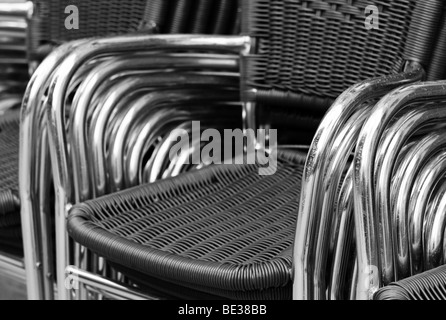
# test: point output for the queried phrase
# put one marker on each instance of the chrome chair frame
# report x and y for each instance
(366, 221)
(58, 71)
(313, 223)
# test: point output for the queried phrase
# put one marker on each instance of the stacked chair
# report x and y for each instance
(362, 209)
(225, 231)
(29, 32)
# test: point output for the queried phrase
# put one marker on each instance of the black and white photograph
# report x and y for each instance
(214, 157)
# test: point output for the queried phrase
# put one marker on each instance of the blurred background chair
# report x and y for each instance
(271, 76)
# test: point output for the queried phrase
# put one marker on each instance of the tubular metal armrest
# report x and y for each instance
(310, 215)
(370, 239)
(426, 181)
(344, 244)
(32, 122)
(120, 66)
(394, 140)
(434, 229)
(149, 103)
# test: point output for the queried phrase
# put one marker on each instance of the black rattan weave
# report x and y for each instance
(224, 231)
(9, 151)
(106, 17)
(10, 230)
(430, 285)
(320, 48)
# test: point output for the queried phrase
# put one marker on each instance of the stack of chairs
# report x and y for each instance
(30, 31)
(225, 231)
(359, 210)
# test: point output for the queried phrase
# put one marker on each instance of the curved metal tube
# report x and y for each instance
(336, 161)
(348, 103)
(87, 89)
(148, 132)
(31, 122)
(400, 171)
(422, 190)
(345, 231)
(140, 104)
(404, 241)
(202, 113)
(367, 231)
(146, 105)
(387, 155)
(155, 169)
(434, 231)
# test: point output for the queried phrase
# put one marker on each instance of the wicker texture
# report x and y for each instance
(105, 17)
(430, 285)
(437, 67)
(10, 230)
(224, 231)
(320, 48)
(9, 144)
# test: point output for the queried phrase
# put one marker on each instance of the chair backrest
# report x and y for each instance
(320, 48)
(111, 17)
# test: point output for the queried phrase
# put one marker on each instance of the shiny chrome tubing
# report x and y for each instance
(434, 231)
(144, 138)
(45, 213)
(31, 117)
(395, 139)
(309, 206)
(57, 94)
(335, 166)
(119, 67)
(123, 89)
(404, 180)
(99, 125)
(354, 281)
(108, 287)
(401, 167)
(344, 239)
(160, 160)
(128, 65)
(148, 129)
(366, 222)
(423, 188)
(140, 111)
(17, 9)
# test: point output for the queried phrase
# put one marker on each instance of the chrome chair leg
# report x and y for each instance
(32, 122)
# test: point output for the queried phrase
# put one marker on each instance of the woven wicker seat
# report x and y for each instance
(9, 202)
(225, 231)
(430, 285)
